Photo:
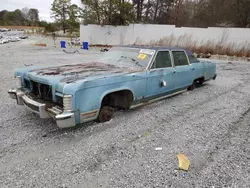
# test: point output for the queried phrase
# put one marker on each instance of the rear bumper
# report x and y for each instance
(63, 119)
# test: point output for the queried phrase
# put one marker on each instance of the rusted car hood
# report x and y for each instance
(70, 73)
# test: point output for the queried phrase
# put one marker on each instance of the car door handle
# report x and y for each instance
(192, 69)
(174, 71)
(163, 83)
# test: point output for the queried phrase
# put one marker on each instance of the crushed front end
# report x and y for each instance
(42, 99)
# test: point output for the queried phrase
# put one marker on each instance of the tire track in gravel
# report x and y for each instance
(232, 128)
(104, 156)
(222, 168)
(223, 141)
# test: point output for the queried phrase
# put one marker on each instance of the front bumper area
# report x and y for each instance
(63, 119)
(17, 95)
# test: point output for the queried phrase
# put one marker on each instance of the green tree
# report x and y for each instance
(113, 12)
(75, 15)
(18, 18)
(2, 13)
(51, 27)
(92, 11)
(13, 18)
(124, 13)
(33, 16)
(24, 17)
(42, 24)
(60, 12)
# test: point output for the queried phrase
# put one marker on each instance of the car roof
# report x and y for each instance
(157, 48)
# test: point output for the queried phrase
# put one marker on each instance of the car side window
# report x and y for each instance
(193, 59)
(162, 60)
(180, 58)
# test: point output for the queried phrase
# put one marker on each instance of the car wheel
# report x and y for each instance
(192, 87)
(199, 83)
(106, 113)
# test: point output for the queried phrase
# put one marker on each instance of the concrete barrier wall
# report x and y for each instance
(146, 34)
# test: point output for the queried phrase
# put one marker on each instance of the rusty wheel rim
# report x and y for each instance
(106, 113)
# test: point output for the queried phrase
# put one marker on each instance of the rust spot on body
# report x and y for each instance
(89, 113)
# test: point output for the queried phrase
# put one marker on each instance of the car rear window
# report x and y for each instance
(193, 59)
(180, 58)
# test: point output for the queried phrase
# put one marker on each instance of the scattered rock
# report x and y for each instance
(158, 149)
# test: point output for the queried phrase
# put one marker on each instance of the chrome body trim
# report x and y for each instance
(157, 99)
(89, 116)
(65, 120)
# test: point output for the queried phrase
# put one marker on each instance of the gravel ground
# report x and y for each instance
(210, 125)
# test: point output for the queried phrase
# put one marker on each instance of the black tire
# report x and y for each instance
(106, 113)
(199, 83)
(192, 87)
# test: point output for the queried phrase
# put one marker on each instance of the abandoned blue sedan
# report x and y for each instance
(123, 77)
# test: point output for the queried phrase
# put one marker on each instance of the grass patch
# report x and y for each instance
(223, 47)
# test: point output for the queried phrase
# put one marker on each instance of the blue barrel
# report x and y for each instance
(63, 44)
(85, 45)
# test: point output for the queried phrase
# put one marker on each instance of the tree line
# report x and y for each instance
(23, 17)
(190, 13)
(67, 17)
(182, 13)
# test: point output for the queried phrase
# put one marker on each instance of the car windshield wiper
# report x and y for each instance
(136, 62)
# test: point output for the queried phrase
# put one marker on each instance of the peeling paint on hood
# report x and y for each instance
(71, 73)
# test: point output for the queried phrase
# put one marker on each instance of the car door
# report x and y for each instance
(185, 72)
(160, 77)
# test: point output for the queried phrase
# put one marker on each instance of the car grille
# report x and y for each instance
(27, 84)
(42, 91)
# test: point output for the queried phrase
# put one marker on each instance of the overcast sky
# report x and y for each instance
(42, 5)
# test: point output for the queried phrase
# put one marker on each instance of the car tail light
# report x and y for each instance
(67, 102)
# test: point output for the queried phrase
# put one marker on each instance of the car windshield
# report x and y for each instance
(127, 57)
